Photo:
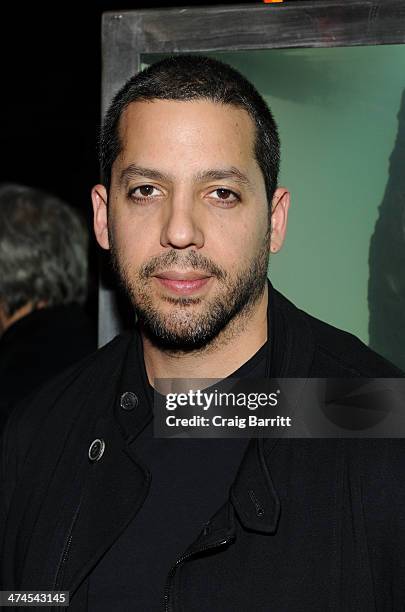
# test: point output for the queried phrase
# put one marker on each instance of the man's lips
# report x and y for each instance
(179, 275)
(181, 282)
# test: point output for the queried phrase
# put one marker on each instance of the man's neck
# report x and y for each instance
(242, 338)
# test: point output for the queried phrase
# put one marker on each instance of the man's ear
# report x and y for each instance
(279, 207)
(99, 198)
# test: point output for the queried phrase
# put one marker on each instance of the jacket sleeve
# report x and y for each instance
(8, 477)
(23, 423)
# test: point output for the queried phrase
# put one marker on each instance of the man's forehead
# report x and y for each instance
(198, 111)
(200, 129)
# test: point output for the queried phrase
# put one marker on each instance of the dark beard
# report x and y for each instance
(237, 297)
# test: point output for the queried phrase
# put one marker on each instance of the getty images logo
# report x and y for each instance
(207, 399)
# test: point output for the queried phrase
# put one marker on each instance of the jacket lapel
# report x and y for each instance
(117, 484)
(115, 489)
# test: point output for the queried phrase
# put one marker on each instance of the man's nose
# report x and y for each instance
(182, 223)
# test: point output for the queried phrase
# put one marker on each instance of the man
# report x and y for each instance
(43, 286)
(93, 504)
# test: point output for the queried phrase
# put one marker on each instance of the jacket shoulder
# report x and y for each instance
(338, 351)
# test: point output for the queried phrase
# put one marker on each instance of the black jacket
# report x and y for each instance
(39, 346)
(310, 524)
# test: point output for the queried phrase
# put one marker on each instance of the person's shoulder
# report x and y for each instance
(89, 366)
(57, 397)
(338, 352)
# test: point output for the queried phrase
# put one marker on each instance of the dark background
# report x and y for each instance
(50, 94)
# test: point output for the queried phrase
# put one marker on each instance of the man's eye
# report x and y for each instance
(144, 192)
(224, 195)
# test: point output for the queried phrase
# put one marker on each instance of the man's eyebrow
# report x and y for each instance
(224, 173)
(216, 174)
(133, 171)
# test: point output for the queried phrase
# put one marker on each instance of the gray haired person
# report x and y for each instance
(43, 287)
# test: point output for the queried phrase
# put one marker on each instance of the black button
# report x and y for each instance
(128, 400)
(96, 449)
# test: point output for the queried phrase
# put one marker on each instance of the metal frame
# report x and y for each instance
(128, 35)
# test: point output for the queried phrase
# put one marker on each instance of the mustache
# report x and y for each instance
(192, 259)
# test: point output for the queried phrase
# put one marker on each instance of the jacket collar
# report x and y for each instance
(291, 344)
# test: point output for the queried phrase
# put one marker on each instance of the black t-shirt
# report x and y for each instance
(190, 481)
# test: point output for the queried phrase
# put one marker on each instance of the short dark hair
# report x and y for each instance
(193, 77)
(43, 249)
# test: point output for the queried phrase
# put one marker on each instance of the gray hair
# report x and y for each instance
(43, 250)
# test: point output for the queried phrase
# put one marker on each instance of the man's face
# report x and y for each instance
(188, 222)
